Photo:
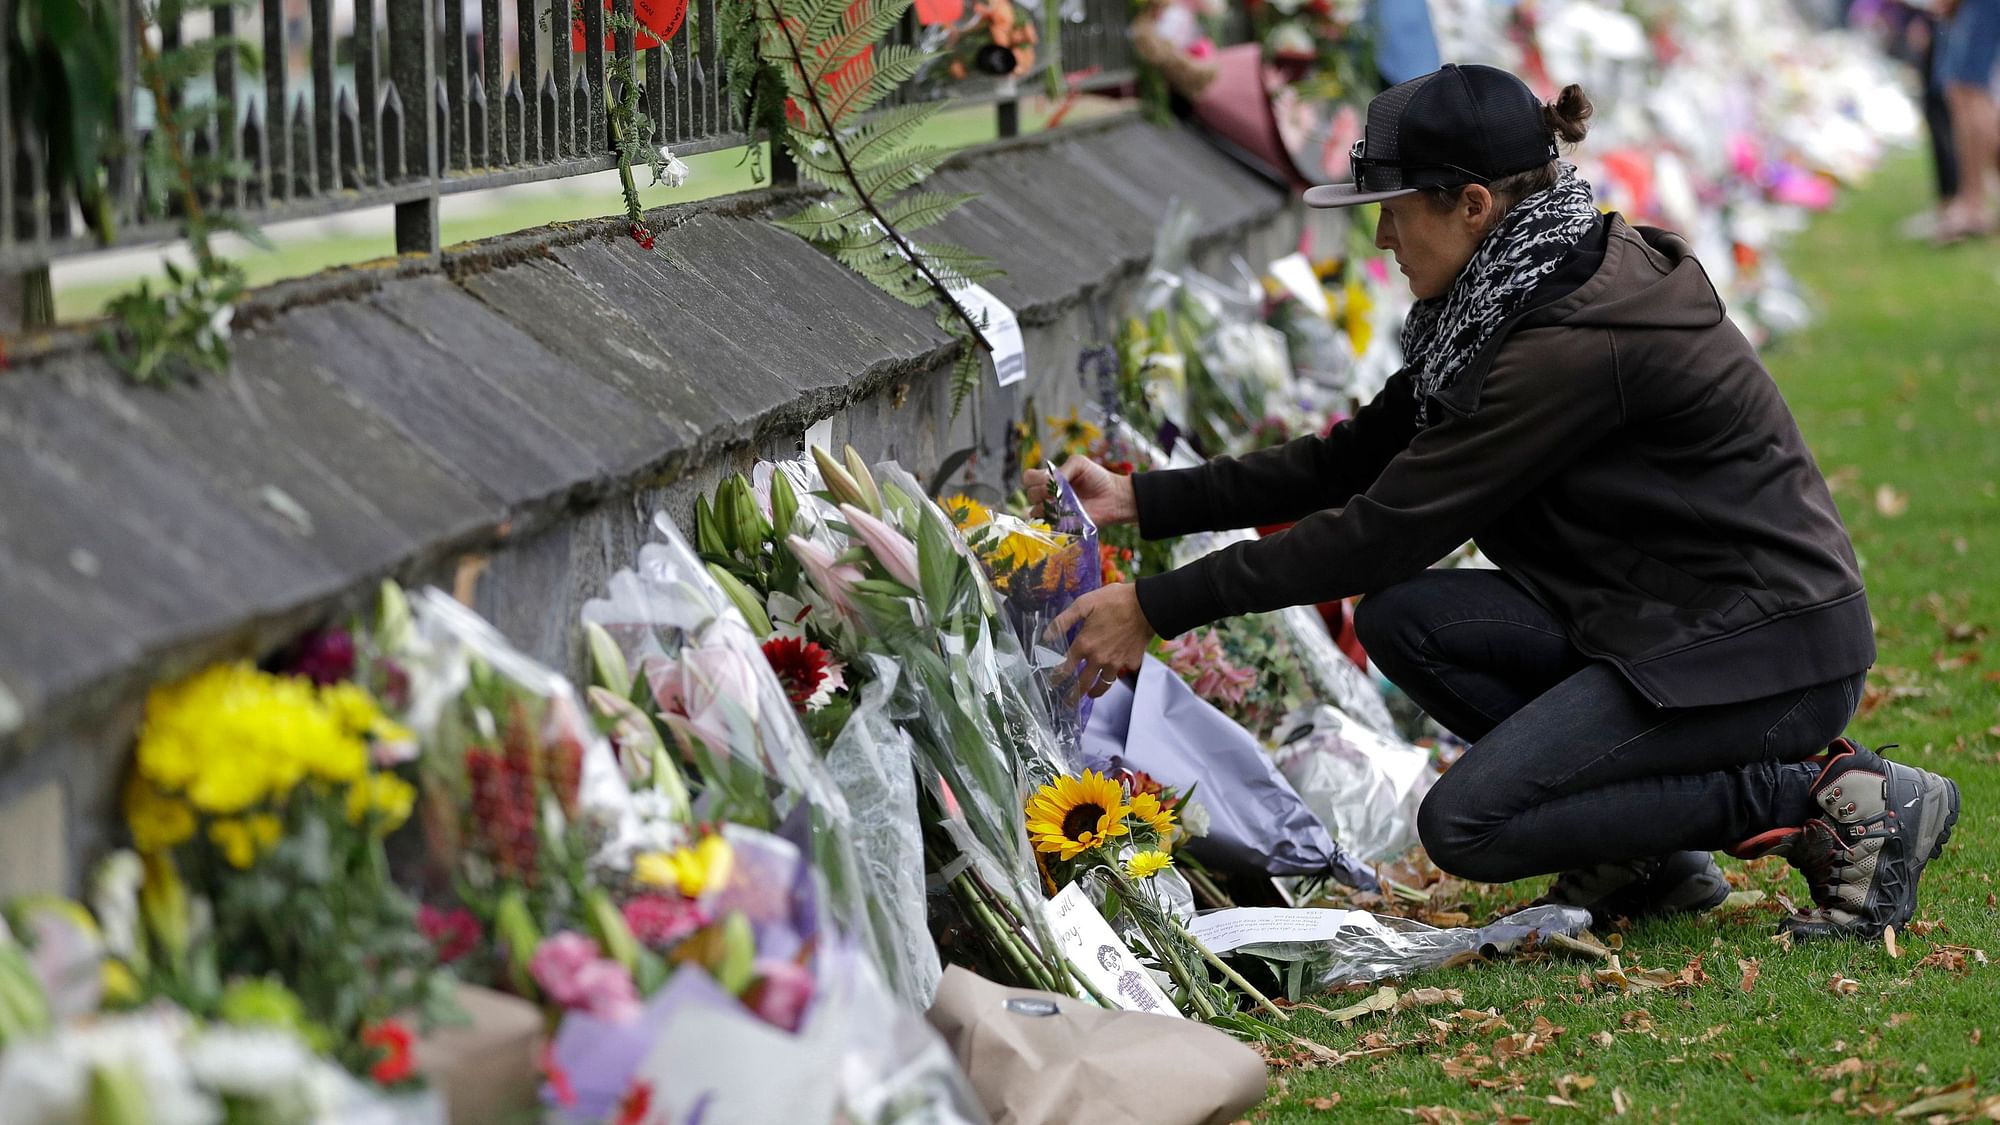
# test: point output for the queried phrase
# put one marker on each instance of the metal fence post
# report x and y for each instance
(413, 65)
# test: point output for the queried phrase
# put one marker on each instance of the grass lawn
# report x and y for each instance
(1897, 386)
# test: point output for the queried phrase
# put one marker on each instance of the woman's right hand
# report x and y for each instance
(1107, 497)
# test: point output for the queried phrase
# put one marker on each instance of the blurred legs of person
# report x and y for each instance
(1966, 59)
(1918, 45)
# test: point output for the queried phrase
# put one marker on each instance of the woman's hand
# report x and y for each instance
(1112, 639)
(1107, 497)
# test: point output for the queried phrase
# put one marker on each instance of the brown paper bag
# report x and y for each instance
(1035, 1058)
(487, 1071)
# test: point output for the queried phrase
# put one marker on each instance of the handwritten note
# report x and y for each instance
(1100, 957)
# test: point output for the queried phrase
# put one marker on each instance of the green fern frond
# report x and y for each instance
(919, 209)
(850, 93)
(826, 56)
(866, 24)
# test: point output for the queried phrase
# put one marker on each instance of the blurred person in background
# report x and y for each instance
(1967, 50)
(1909, 31)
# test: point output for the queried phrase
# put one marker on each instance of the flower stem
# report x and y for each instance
(1235, 977)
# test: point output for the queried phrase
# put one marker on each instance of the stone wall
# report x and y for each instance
(507, 420)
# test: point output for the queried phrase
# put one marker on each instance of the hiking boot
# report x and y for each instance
(1681, 883)
(1883, 822)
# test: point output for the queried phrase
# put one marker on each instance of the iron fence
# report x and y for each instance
(365, 103)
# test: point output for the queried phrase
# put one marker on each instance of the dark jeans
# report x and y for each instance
(1570, 766)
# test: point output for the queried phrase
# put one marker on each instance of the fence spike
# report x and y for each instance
(352, 171)
(475, 123)
(304, 154)
(391, 116)
(516, 140)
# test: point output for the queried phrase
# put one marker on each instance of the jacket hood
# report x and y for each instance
(1649, 279)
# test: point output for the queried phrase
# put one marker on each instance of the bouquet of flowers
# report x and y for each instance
(1116, 837)
(259, 804)
(770, 1012)
(91, 1029)
(714, 675)
(874, 573)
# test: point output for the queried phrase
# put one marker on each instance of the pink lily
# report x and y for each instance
(890, 547)
(829, 576)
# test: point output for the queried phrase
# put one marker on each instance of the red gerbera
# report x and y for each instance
(800, 664)
(393, 1040)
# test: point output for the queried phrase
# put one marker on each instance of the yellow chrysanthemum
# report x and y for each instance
(1146, 809)
(1145, 865)
(1355, 320)
(967, 513)
(243, 839)
(157, 821)
(231, 737)
(1074, 814)
(693, 871)
(1073, 433)
(382, 799)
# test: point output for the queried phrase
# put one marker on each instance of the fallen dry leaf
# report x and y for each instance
(1953, 958)
(1327, 1102)
(1384, 1000)
(1437, 1115)
(1620, 1104)
(1898, 1019)
(1889, 941)
(1955, 662)
(1890, 502)
(1843, 986)
(1957, 1096)
(1751, 967)
(1850, 1065)
(1563, 1102)
(1432, 997)
(1603, 1039)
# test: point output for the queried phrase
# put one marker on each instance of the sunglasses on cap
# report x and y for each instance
(1362, 166)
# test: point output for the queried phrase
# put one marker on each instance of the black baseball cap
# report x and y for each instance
(1454, 126)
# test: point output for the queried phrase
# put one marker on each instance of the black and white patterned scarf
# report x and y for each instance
(1442, 334)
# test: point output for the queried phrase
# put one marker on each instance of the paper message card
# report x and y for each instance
(1002, 330)
(1224, 930)
(1100, 957)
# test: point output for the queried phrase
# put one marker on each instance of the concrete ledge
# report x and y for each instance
(530, 399)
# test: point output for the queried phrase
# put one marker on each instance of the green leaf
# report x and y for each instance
(849, 94)
(938, 563)
(861, 27)
(919, 209)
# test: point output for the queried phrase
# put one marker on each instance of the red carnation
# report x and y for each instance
(800, 664)
(393, 1039)
(454, 933)
(638, 1102)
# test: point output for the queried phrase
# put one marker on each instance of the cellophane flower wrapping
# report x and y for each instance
(982, 732)
(699, 1051)
(690, 647)
(1359, 947)
(1365, 786)
(510, 760)
(872, 761)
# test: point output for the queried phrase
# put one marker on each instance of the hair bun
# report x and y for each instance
(1568, 116)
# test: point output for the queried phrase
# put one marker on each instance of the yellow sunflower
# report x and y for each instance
(1074, 814)
(1146, 808)
(967, 513)
(1074, 433)
(1145, 865)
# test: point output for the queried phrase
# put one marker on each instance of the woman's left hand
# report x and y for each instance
(1111, 641)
